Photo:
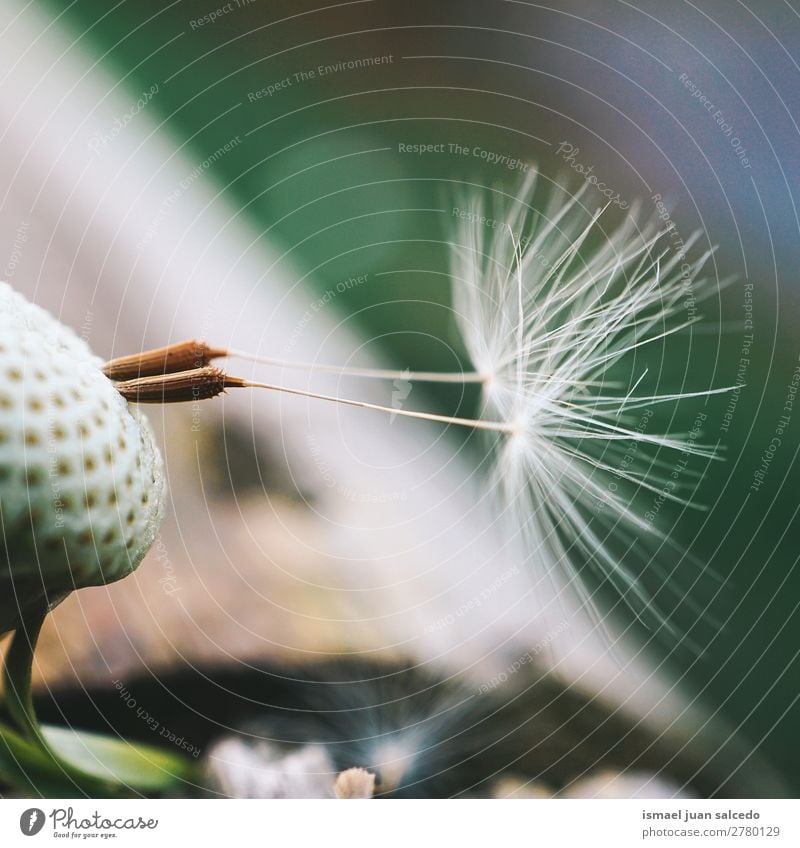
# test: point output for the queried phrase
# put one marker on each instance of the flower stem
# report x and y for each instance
(114, 767)
(17, 675)
(17, 672)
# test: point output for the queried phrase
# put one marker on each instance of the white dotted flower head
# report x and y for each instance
(82, 485)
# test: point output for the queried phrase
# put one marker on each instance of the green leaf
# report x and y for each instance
(143, 768)
(26, 768)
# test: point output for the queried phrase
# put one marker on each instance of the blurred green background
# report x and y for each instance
(317, 167)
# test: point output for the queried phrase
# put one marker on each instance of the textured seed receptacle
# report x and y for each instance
(82, 486)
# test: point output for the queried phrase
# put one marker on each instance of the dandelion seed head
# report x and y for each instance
(560, 308)
(82, 484)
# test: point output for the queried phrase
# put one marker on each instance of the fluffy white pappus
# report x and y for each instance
(560, 315)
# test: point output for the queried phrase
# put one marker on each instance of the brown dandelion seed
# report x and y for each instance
(183, 356)
(196, 384)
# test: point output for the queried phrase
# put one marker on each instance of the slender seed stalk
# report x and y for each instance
(474, 423)
(369, 373)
